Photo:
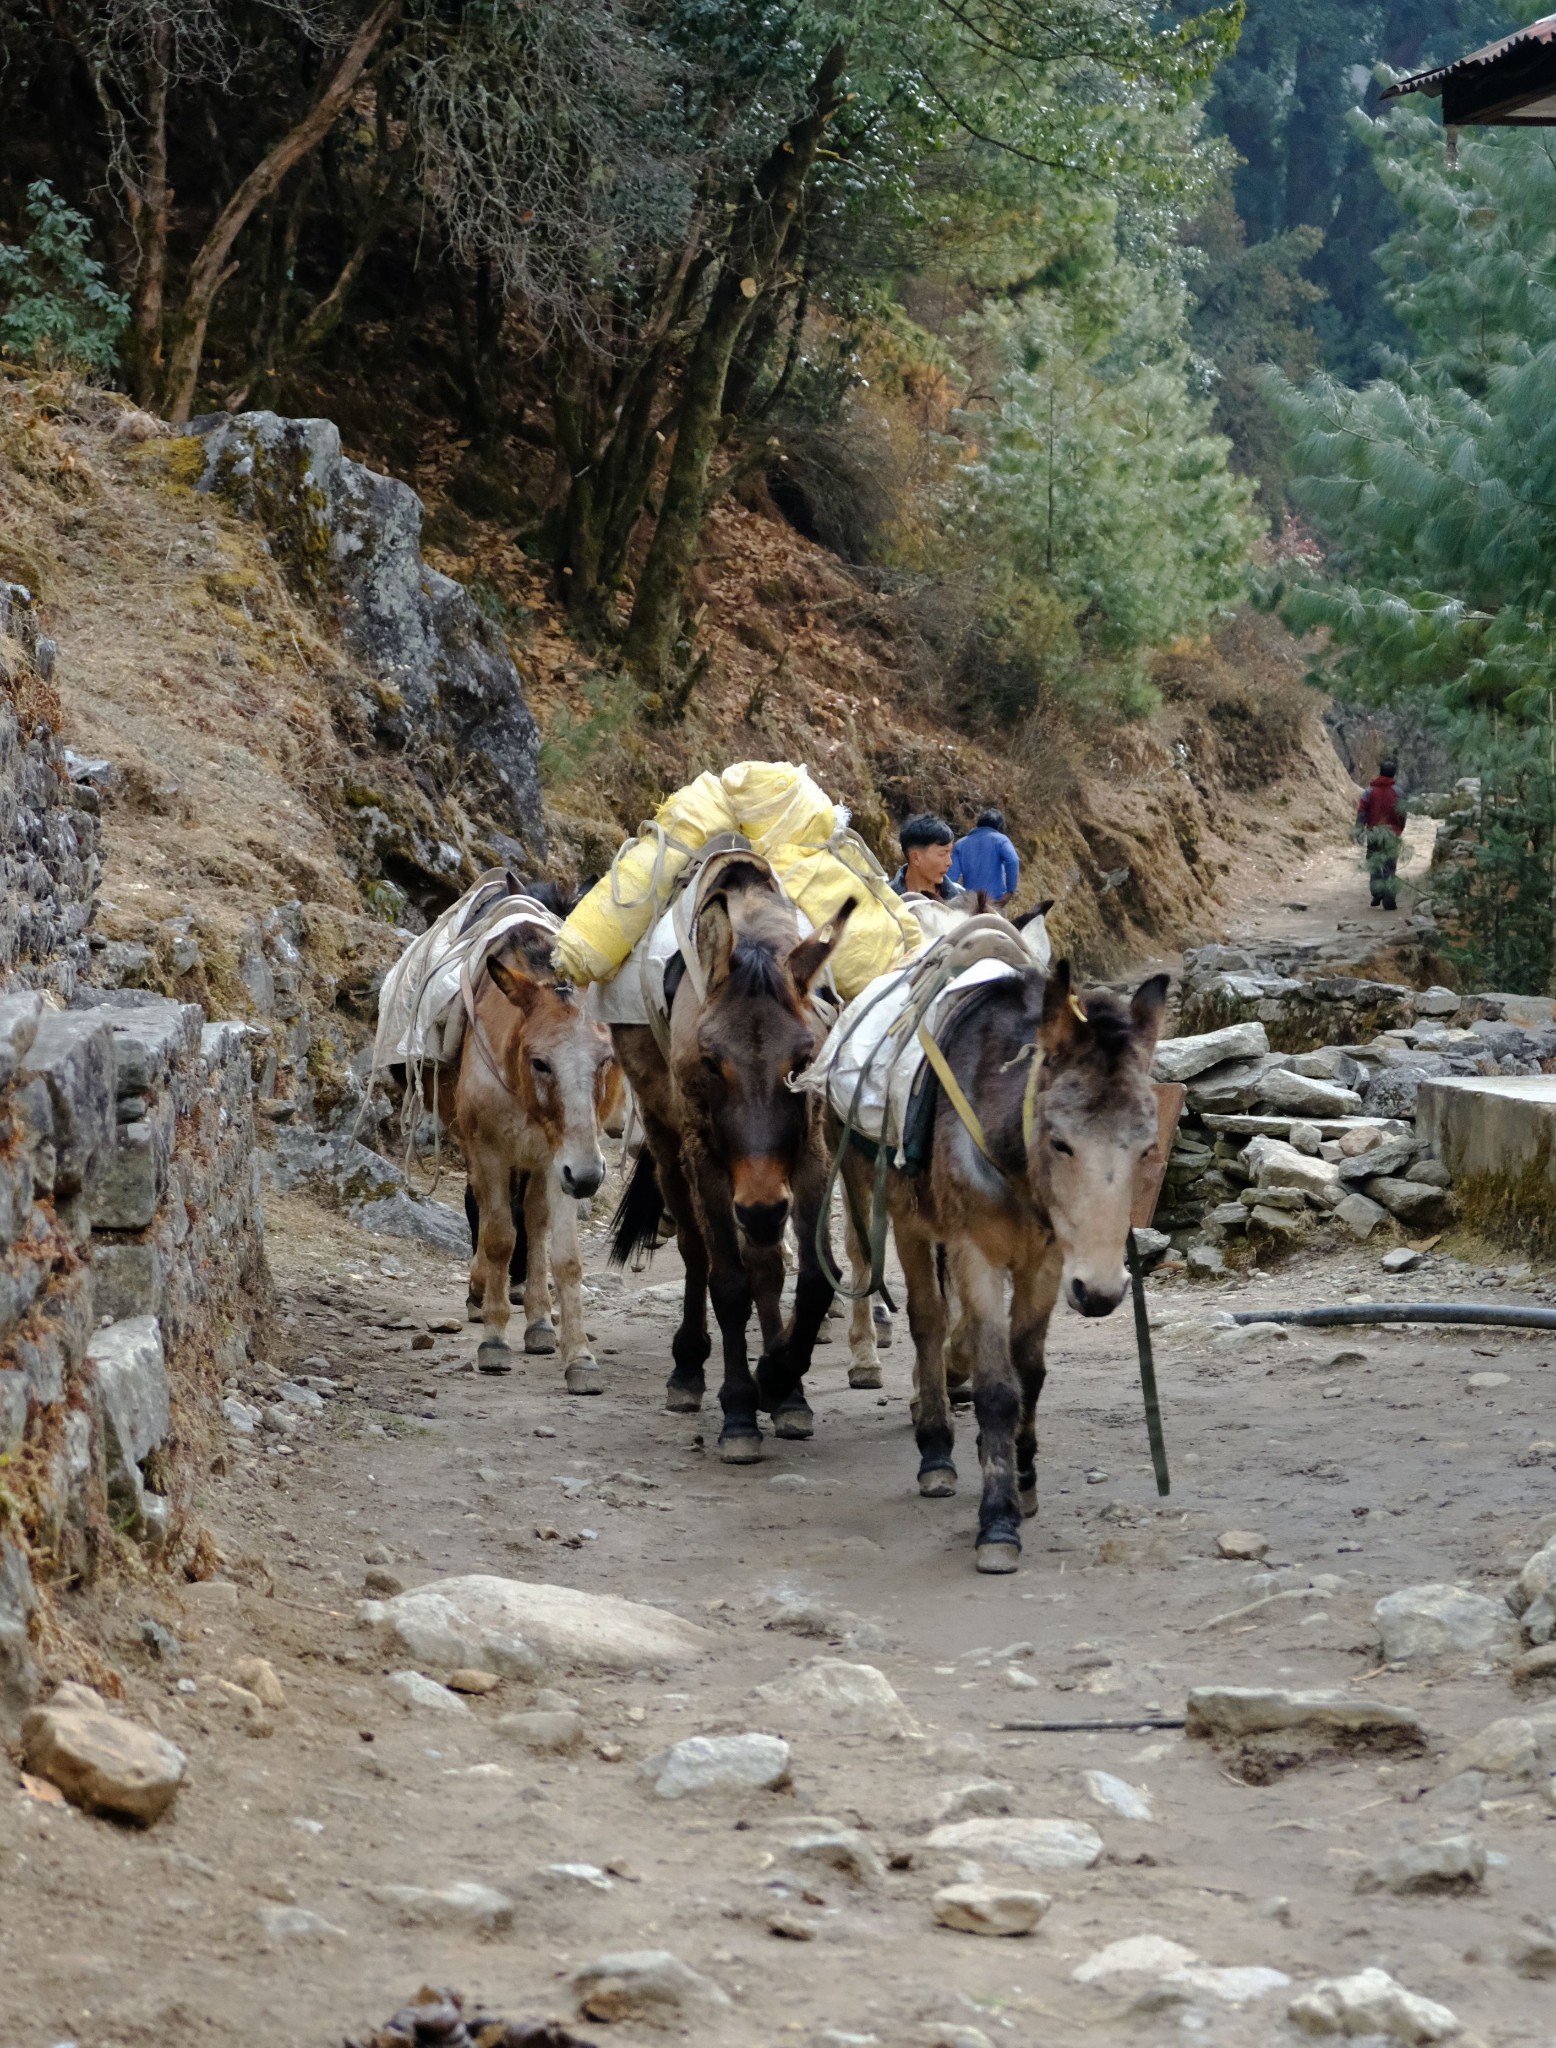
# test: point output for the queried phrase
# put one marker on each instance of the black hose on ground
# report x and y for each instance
(1410, 1312)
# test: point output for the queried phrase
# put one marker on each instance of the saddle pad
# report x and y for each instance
(859, 1057)
(421, 1015)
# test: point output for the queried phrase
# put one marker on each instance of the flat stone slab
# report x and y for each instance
(854, 1697)
(517, 1626)
(1281, 1126)
(1238, 1710)
(1151, 1966)
(1039, 1845)
(1180, 1059)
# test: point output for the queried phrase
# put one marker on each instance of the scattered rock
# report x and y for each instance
(295, 1923)
(1149, 1968)
(542, 1728)
(854, 1697)
(1412, 1201)
(718, 1763)
(1486, 1382)
(1513, 1747)
(476, 1683)
(1128, 1801)
(1534, 1955)
(257, 1675)
(1242, 1336)
(641, 1983)
(1245, 1545)
(989, 1909)
(101, 1762)
(415, 1689)
(1372, 2003)
(512, 1626)
(979, 1797)
(1421, 1622)
(477, 1908)
(383, 1585)
(1360, 1216)
(1534, 1664)
(1272, 1730)
(1031, 1844)
(1400, 1260)
(840, 1849)
(1457, 1863)
(1205, 1261)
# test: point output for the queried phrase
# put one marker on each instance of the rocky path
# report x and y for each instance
(1326, 894)
(328, 1855)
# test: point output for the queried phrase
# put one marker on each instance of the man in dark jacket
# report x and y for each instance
(1380, 820)
(926, 843)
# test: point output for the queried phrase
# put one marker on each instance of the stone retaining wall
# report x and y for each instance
(131, 1268)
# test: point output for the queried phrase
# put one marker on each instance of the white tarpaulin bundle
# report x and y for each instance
(869, 1066)
(421, 1008)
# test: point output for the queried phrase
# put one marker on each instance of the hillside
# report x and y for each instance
(245, 774)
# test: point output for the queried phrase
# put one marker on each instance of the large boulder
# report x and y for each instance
(351, 539)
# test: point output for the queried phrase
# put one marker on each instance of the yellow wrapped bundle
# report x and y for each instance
(787, 817)
(618, 910)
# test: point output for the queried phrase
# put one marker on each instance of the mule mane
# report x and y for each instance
(755, 970)
(1112, 1028)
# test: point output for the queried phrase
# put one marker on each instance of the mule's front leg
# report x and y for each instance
(932, 1423)
(996, 1403)
(729, 1284)
(490, 1179)
(583, 1374)
(541, 1198)
(864, 1366)
(781, 1375)
(690, 1345)
(1031, 1305)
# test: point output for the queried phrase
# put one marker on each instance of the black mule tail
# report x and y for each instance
(635, 1225)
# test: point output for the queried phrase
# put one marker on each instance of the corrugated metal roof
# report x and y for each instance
(1541, 31)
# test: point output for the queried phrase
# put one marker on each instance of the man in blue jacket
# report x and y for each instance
(986, 860)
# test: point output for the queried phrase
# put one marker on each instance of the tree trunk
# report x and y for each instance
(149, 202)
(212, 265)
(757, 240)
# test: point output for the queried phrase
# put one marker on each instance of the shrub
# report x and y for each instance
(59, 312)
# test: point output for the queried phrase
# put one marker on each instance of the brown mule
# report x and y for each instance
(536, 1079)
(732, 1150)
(1047, 1211)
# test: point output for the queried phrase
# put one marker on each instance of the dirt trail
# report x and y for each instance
(1326, 894)
(1379, 1464)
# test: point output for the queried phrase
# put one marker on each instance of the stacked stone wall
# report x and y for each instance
(131, 1268)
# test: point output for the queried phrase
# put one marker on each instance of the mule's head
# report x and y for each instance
(1094, 1129)
(755, 1033)
(558, 1063)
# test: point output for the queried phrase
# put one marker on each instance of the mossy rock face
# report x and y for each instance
(1514, 1209)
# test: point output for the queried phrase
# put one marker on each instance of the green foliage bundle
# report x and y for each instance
(58, 310)
(1435, 486)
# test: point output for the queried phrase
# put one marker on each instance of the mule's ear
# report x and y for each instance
(1146, 1010)
(1064, 1022)
(1038, 910)
(515, 985)
(807, 959)
(715, 941)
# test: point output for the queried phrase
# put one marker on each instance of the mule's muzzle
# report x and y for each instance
(762, 1222)
(582, 1181)
(1094, 1301)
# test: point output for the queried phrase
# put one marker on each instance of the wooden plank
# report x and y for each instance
(1170, 1098)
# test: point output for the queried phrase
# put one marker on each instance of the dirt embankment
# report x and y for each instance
(229, 712)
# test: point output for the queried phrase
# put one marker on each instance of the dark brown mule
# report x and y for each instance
(1048, 1218)
(536, 1078)
(732, 1150)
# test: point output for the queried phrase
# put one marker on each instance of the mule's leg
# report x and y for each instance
(781, 1374)
(959, 1343)
(583, 1374)
(932, 1425)
(690, 1345)
(475, 1293)
(1036, 1291)
(729, 1285)
(539, 1199)
(980, 1288)
(518, 1265)
(864, 1368)
(489, 1176)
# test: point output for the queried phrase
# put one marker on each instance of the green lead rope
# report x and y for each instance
(1153, 1412)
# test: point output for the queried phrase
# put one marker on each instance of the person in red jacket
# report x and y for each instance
(1380, 820)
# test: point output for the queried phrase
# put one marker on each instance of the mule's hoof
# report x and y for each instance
(999, 1557)
(683, 1397)
(584, 1376)
(794, 1419)
(493, 1355)
(539, 1339)
(740, 1447)
(865, 1377)
(937, 1482)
